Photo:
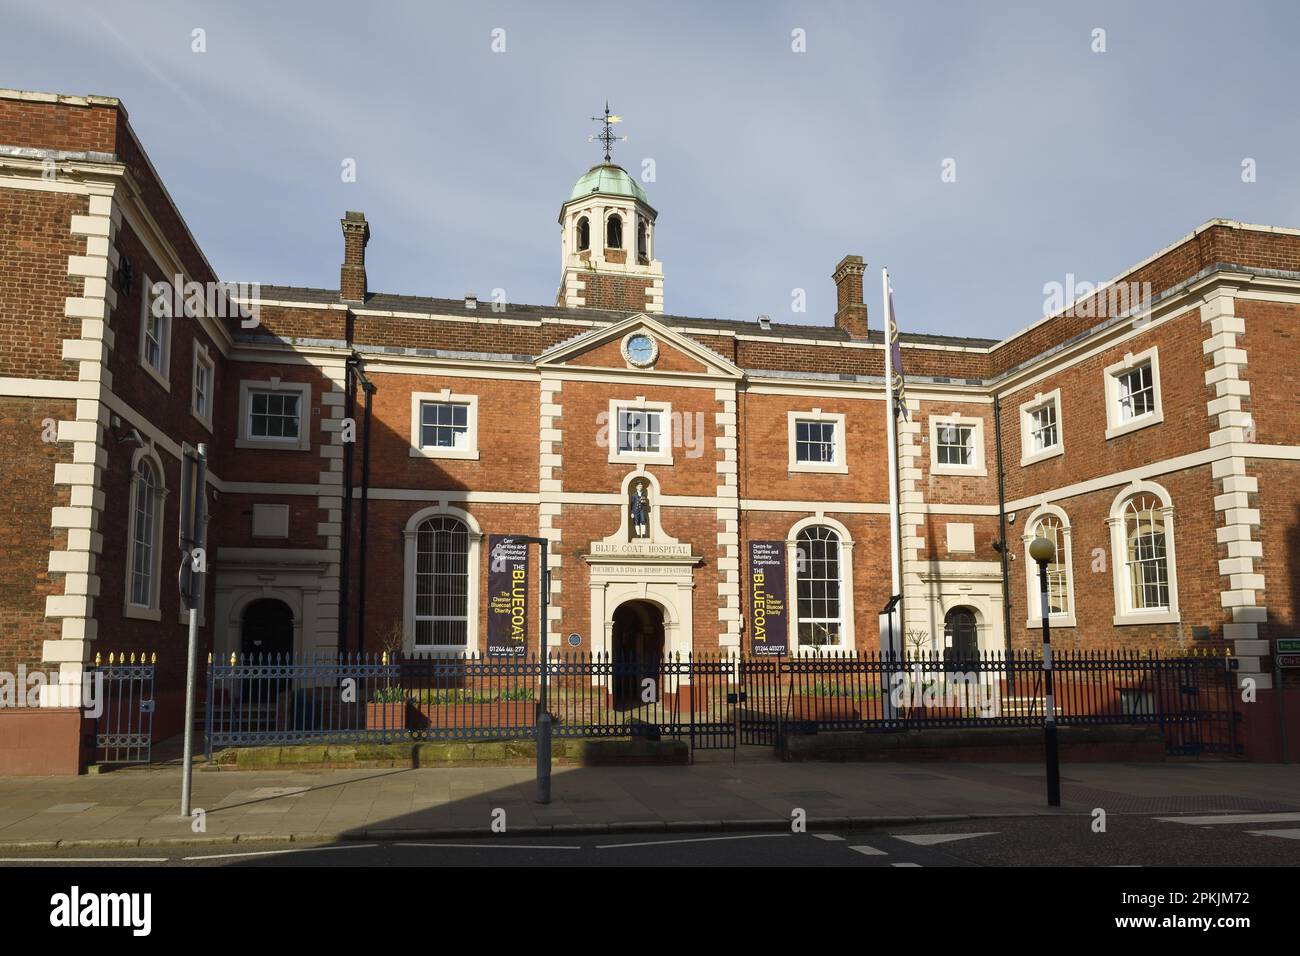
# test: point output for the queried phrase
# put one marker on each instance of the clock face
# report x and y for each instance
(641, 350)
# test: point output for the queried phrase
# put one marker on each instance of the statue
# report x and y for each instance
(639, 510)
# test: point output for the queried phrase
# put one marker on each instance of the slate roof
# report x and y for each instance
(383, 302)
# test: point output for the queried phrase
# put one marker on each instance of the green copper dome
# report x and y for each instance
(609, 180)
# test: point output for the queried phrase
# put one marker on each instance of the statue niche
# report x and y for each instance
(638, 510)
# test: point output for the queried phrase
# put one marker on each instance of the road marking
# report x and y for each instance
(868, 850)
(1284, 834)
(930, 839)
(906, 864)
(829, 837)
(747, 836)
(84, 859)
(492, 846)
(306, 849)
(1234, 818)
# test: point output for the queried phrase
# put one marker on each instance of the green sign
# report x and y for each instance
(1288, 645)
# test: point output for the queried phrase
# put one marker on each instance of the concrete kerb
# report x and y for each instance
(390, 834)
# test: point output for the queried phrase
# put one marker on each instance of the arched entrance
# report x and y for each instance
(638, 649)
(266, 628)
(961, 638)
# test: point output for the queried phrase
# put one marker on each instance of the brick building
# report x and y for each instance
(1147, 435)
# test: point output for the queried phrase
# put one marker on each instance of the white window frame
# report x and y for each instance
(1115, 423)
(160, 375)
(202, 359)
(1125, 613)
(445, 397)
(153, 610)
(847, 592)
(474, 584)
(1040, 401)
(664, 456)
(245, 439)
(977, 467)
(1032, 586)
(837, 467)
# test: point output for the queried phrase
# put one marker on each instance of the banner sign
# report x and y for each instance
(767, 608)
(507, 595)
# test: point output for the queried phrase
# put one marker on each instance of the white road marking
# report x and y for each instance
(1234, 818)
(868, 850)
(306, 849)
(84, 859)
(829, 837)
(930, 839)
(1284, 834)
(492, 846)
(747, 836)
(906, 864)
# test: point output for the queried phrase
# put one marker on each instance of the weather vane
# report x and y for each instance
(606, 136)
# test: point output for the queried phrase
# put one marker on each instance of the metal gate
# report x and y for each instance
(124, 725)
(761, 704)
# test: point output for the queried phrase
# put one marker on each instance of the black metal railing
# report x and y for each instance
(267, 700)
(714, 701)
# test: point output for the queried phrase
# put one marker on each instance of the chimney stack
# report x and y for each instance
(851, 310)
(352, 274)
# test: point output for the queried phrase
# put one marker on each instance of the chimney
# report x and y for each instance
(352, 274)
(850, 310)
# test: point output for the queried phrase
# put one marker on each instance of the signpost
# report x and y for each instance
(194, 562)
(1287, 652)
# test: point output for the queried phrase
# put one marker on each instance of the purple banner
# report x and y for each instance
(507, 596)
(767, 609)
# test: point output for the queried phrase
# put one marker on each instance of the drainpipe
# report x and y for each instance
(1002, 528)
(369, 388)
(345, 581)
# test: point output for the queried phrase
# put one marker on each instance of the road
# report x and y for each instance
(1224, 839)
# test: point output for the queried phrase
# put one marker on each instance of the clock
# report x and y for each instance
(640, 350)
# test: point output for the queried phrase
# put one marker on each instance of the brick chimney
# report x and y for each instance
(352, 274)
(850, 310)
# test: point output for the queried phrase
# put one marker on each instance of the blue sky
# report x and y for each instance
(770, 164)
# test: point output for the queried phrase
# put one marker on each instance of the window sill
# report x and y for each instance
(205, 422)
(635, 458)
(959, 471)
(814, 468)
(157, 376)
(1155, 617)
(1061, 620)
(272, 445)
(138, 613)
(1137, 424)
(1054, 452)
(458, 454)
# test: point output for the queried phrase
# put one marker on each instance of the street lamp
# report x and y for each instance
(1043, 550)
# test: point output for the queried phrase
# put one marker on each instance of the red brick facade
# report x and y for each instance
(543, 385)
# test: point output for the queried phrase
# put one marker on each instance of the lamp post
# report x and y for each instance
(1043, 550)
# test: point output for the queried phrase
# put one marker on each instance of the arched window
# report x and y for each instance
(144, 538)
(614, 232)
(642, 246)
(1058, 577)
(817, 580)
(1146, 559)
(584, 234)
(441, 613)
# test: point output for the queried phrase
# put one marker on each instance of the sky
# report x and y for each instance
(770, 162)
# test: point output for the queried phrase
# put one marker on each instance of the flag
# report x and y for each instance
(898, 387)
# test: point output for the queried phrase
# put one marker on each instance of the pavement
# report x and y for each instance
(139, 807)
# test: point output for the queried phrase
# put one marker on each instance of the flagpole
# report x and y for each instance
(891, 440)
